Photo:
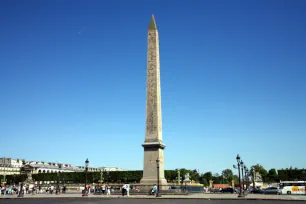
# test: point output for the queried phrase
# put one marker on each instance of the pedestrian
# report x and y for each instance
(103, 189)
(3, 190)
(108, 190)
(154, 189)
(51, 189)
(127, 189)
(123, 190)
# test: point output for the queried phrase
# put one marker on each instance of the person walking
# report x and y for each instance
(103, 189)
(127, 189)
(51, 189)
(3, 190)
(123, 190)
(108, 190)
(154, 189)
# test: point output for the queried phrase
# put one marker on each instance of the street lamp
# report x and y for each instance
(242, 174)
(254, 175)
(57, 183)
(304, 175)
(58, 179)
(107, 177)
(238, 163)
(85, 193)
(246, 171)
(20, 193)
(101, 176)
(157, 166)
(178, 177)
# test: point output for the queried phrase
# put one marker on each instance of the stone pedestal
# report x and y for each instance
(152, 151)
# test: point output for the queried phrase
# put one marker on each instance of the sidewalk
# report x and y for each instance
(190, 196)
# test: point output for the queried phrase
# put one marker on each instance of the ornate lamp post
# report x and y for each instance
(85, 193)
(107, 177)
(101, 176)
(178, 177)
(246, 173)
(157, 166)
(58, 180)
(242, 175)
(253, 172)
(57, 183)
(20, 192)
(238, 163)
(304, 175)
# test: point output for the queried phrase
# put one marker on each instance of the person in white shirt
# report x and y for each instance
(51, 189)
(108, 190)
(127, 188)
(103, 189)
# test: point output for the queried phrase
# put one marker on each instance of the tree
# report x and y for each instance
(272, 176)
(194, 175)
(261, 170)
(291, 174)
(227, 175)
(217, 178)
(203, 180)
(206, 177)
(236, 179)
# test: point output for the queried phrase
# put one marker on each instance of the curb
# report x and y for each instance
(154, 198)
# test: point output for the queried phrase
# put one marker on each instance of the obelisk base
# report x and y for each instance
(152, 152)
(151, 182)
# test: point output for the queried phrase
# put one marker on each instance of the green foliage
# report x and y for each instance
(79, 177)
(227, 175)
(94, 177)
(15, 178)
(205, 178)
(272, 176)
(170, 175)
(261, 170)
(194, 175)
(291, 174)
(236, 179)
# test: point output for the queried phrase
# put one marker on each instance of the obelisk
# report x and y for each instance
(153, 146)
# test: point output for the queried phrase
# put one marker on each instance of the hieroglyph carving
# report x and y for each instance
(153, 124)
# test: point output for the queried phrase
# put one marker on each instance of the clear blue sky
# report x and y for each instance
(73, 81)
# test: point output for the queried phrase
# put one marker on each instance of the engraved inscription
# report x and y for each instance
(153, 121)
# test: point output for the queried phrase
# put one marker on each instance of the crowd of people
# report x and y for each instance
(29, 189)
(103, 189)
(106, 189)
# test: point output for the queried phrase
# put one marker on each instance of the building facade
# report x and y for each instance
(9, 166)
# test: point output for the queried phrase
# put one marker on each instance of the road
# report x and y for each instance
(136, 201)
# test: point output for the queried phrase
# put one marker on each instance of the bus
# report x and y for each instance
(292, 187)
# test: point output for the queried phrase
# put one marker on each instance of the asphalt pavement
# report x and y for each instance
(138, 201)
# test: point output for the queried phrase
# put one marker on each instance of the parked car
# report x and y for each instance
(227, 190)
(215, 190)
(271, 190)
(257, 191)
